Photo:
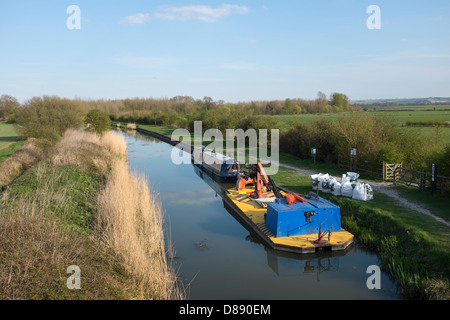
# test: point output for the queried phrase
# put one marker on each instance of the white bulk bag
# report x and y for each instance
(322, 178)
(335, 187)
(315, 181)
(352, 176)
(363, 192)
(325, 183)
(344, 179)
(347, 189)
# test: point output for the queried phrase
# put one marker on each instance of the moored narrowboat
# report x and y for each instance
(221, 167)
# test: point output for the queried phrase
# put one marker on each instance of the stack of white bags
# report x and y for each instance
(348, 187)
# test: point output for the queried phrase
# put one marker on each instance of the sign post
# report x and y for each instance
(433, 179)
(313, 154)
(353, 159)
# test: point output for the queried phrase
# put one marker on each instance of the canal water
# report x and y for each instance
(217, 258)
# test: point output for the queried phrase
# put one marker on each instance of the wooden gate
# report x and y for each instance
(389, 170)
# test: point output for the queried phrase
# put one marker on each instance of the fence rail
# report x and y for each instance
(415, 178)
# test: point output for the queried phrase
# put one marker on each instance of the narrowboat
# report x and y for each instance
(221, 167)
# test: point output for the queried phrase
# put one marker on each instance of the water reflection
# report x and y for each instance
(288, 264)
(217, 187)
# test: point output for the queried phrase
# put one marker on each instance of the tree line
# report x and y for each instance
(377, 138)
(178, 112)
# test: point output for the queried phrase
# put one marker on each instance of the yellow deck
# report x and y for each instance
(254, 216)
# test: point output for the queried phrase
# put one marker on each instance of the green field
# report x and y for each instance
(413, 107)
(400, 117)
(8, 134)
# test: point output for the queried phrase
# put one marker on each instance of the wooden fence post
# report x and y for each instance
(395, 174)
(422, 180)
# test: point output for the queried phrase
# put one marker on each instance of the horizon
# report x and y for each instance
(351, 101)
(233, 51)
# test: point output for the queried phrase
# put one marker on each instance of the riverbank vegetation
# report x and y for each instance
(60, 208)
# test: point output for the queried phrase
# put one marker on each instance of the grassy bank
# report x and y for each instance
(59, 212)
(413, 248)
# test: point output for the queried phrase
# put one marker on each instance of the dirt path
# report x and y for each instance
(7, 145)
(382, 187)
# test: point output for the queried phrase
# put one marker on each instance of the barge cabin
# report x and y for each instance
(218, 165)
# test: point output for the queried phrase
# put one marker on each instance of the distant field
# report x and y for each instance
(414, 107)
(401, 117)
(7, 134)
(404, 116)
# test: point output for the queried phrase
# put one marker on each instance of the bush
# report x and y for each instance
(48, 117)
(376, 139)
(97, 121)
(303, 137)
(8, 105)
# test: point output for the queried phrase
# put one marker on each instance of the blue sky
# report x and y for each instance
(230, 50)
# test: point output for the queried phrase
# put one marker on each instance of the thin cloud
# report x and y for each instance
(138, 18)
(200, 13)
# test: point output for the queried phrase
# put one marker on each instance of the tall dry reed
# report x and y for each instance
(131, 219)
(131, 126)
(114, 143)
(83, 150)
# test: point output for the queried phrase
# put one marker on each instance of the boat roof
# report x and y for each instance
(216, 155)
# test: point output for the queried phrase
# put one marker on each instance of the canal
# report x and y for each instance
(217, 258)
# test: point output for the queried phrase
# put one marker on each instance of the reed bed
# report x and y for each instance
(114, 143)
(83, 150)
(131, 126)
(131, 220)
